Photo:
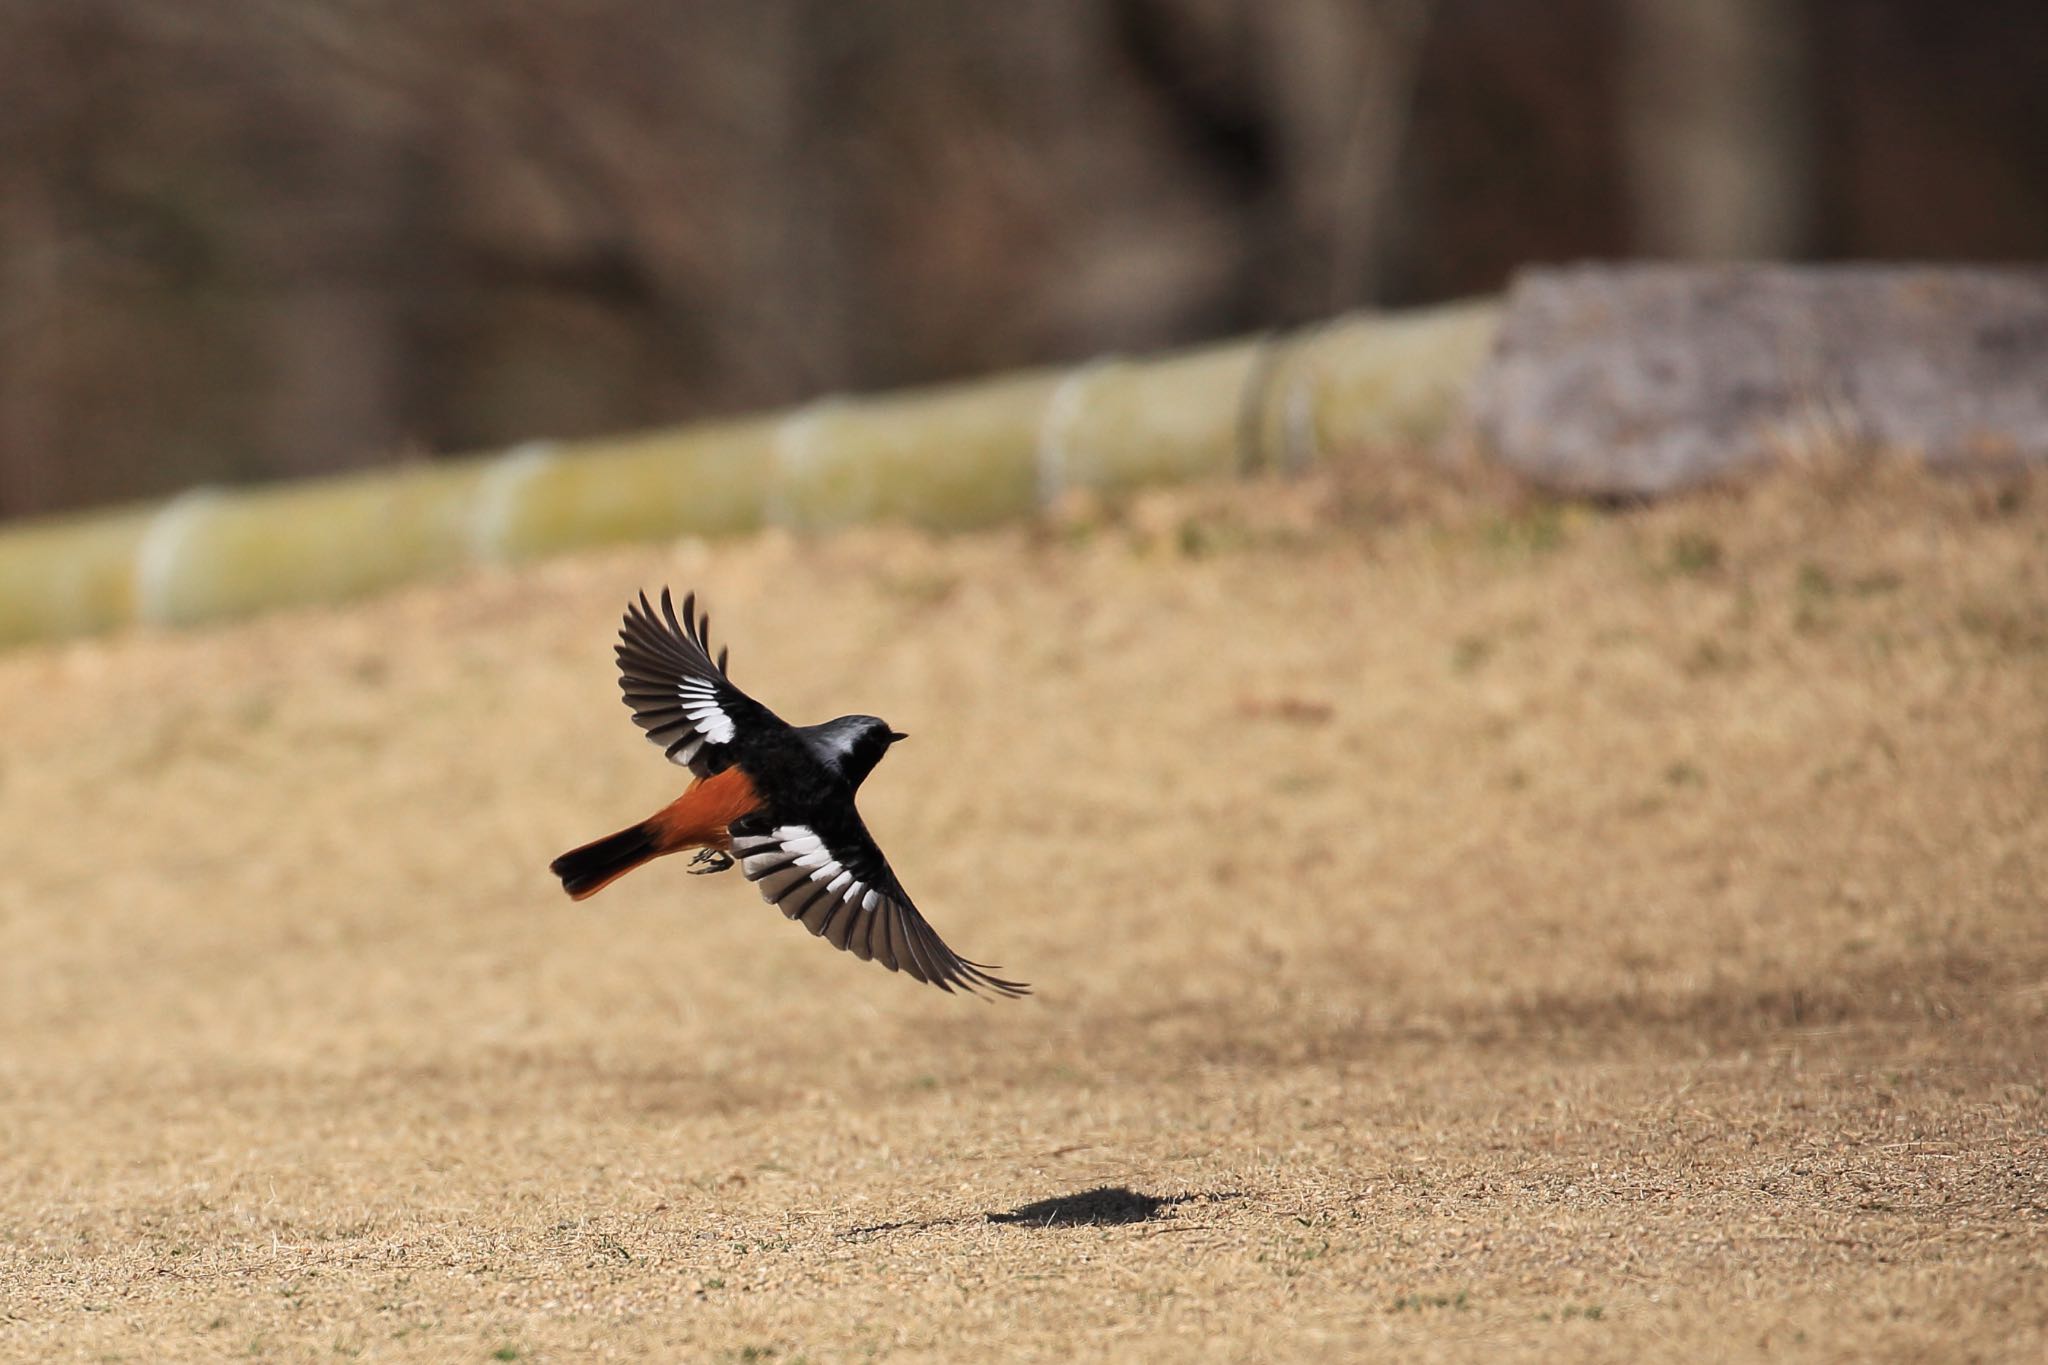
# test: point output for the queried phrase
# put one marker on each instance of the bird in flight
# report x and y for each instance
(776, 797)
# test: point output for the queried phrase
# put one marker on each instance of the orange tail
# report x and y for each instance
(696, 819)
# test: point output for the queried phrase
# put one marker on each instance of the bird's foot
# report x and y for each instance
(708, 861)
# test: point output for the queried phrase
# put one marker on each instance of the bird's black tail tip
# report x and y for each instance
(587, 870)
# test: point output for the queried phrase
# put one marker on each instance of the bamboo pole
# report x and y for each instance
(960, 456)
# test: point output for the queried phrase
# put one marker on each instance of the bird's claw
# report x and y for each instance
(708, 861)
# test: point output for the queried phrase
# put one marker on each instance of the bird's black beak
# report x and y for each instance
(895, 735)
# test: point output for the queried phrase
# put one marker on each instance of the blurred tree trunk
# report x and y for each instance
(1717, 128)
(330, 316)
(1340, 76)
(35, 138)
(31, 296)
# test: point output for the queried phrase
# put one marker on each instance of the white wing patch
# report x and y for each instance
(799, 874)
(678, 693)
(700, 704)
(800, 877)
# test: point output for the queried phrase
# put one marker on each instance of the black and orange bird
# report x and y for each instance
(777, 797)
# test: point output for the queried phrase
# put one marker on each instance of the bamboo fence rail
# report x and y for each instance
(959, 456)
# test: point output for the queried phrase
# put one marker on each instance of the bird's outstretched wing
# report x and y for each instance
(826, 871)
(679, 695)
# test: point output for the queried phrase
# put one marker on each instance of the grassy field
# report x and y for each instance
(1463, 929)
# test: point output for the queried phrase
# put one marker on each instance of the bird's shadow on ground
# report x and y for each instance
(1104, 1206)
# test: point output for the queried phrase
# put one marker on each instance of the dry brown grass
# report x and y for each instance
(1467, 929)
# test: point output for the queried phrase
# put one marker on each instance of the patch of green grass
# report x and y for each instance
(1199, 537)
(1814, 591)
(1814, 582)
(1684, 774)
(1588, 1313)
(1417, 1303)
(1469, 652)
(1536, 529)
(1693, 553)
(505, 1353)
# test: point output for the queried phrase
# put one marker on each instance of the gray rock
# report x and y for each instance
(1639, 380)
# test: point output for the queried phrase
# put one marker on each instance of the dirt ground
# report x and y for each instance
(1463, 928)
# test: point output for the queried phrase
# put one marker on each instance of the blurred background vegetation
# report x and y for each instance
(248, 239)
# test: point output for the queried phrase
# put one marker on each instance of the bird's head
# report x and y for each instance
(855, 744)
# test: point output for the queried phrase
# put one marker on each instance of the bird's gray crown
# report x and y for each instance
(851, 745)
